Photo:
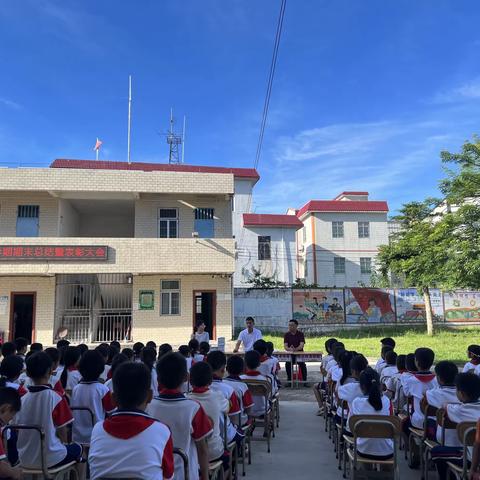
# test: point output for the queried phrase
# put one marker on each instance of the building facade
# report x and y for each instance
(101, 251)
(339, 240)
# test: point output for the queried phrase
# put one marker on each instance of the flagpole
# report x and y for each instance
(96, 153)
(129, 116)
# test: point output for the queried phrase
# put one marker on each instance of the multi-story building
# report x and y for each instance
(340, 238)
(102, 251)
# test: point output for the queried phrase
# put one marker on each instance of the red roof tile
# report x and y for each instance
(342, 206)
(152, 167)
(268, 220)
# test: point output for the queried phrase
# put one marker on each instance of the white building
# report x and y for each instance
(340, 238)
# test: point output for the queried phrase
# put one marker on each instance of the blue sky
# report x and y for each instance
(366, 94)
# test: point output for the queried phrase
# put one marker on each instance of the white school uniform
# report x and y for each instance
(73, 379)
(349, 392)
(198, 357)
(131, 445)
(373, 446)
(469, 366)
(243, 394)
(332, 363)
(464, 412)
(348, 381)
(228, 392)
(438, 397)
(258, 407)
(380, 365)
(416, 386)
(267, 369)
(325, 360)
(388, 372)
(109, 385)
(104, 375)
(97, 397)
(188, 423)
(42, 406)
(19, 388)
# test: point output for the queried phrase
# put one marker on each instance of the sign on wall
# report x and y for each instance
(411, 305)
(53, 252)
(325, 306)
(462, 306)
(146, 300)
(369, 305)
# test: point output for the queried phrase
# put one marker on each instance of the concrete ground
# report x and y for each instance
(301, 449)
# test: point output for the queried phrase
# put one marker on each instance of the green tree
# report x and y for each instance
(258, 280)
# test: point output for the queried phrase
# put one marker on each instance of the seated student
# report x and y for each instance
(392, 383)
(418, 384)
(55, 382)
(36, 347)
(329, 352)
(184, 350)
(90, 393)
(83, 347)
(333, 362)
(45, 407)
(349, 391)
(21, 345)
(318, 388)
(346, 377)
(372, 402)
(390, 368)
(335, 368)
(137, 350)
(473, 353)
(194, 345)
(446, 392)
(149, 357)
(474, 473)
(252, 362)
(468, 410)
(104, 351)
(384, 342)
(151, 344)
(116, 344)
(186, 418)
(267, 365)
(8, 348)
(10, 369)
(214, 404)
(383, 363)
(112, 351)
(10, 405)
(129, 353)
(276, 362)
(203, 350)
(164, 349)
(70, 375)
(235, 368)
(130, 443)
(118, 359)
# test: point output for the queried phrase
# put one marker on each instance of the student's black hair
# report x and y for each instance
(216, 360)
(204, 348)
(70, 357)
(83, 348)
(149, 357)
(201, 375)
(128, 352)
(388, 341)
(172, 370)
(358, 363)
(424, 358)
(293, 321)
(446, 371)
(8, 348)
(270, 348)
(410, 363)
(38, 365)
(112, 351)
(28, 354)
(151, 344)
(36, 347)
(116, 344)
(329, 343)
(260, 346)
(131, 384)
(54, 354)
(345, 360)
(401, 362)
(63, 343)
(21, 343)
(137, 347)
(193, 345)
(338, 350)
(10, 396)
(252, 359)
(104, 351)
(385, 349)
(469, 384)
(391, 358)
(91, 365)
(370, 385)
(11, 367)
(184, 350)
(118, 359)
(474, 350)
(235, 365)
(250, 319)
(163, 349)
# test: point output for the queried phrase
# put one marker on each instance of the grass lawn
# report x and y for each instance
(447, 343)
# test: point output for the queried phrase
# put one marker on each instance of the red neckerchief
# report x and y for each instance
(263, 358)
(127, 424)
(401, 370)
(168, 391)
(233, 377)
(200, 389)
(216, 377)
(252, 373)
(424, 377)
(73, 368)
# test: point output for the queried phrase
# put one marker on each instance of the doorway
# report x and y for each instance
(204, 309)
(22, 315)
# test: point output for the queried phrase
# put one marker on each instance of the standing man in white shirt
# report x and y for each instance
(248, 336)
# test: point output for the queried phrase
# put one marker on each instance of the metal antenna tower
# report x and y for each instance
(174, 141)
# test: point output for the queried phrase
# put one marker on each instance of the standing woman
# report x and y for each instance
(199, 332)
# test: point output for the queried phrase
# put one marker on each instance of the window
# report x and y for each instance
(204, 222)
(28, 220)
(170, 302)
(304, 235)
(168, 223)
(365, 265)
(306, 269)
(339, 265)
(337, 229)
(363, 229)
(264, 248)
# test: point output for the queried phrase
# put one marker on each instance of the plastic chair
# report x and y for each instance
(466, 434)
(44, 472)
(183, 456)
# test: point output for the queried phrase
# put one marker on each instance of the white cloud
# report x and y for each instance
(465, 92)
(10, 104)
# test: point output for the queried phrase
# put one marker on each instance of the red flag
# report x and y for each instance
(98, 144)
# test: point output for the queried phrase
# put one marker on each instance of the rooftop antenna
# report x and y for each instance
(129, 134)
(174, 141)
